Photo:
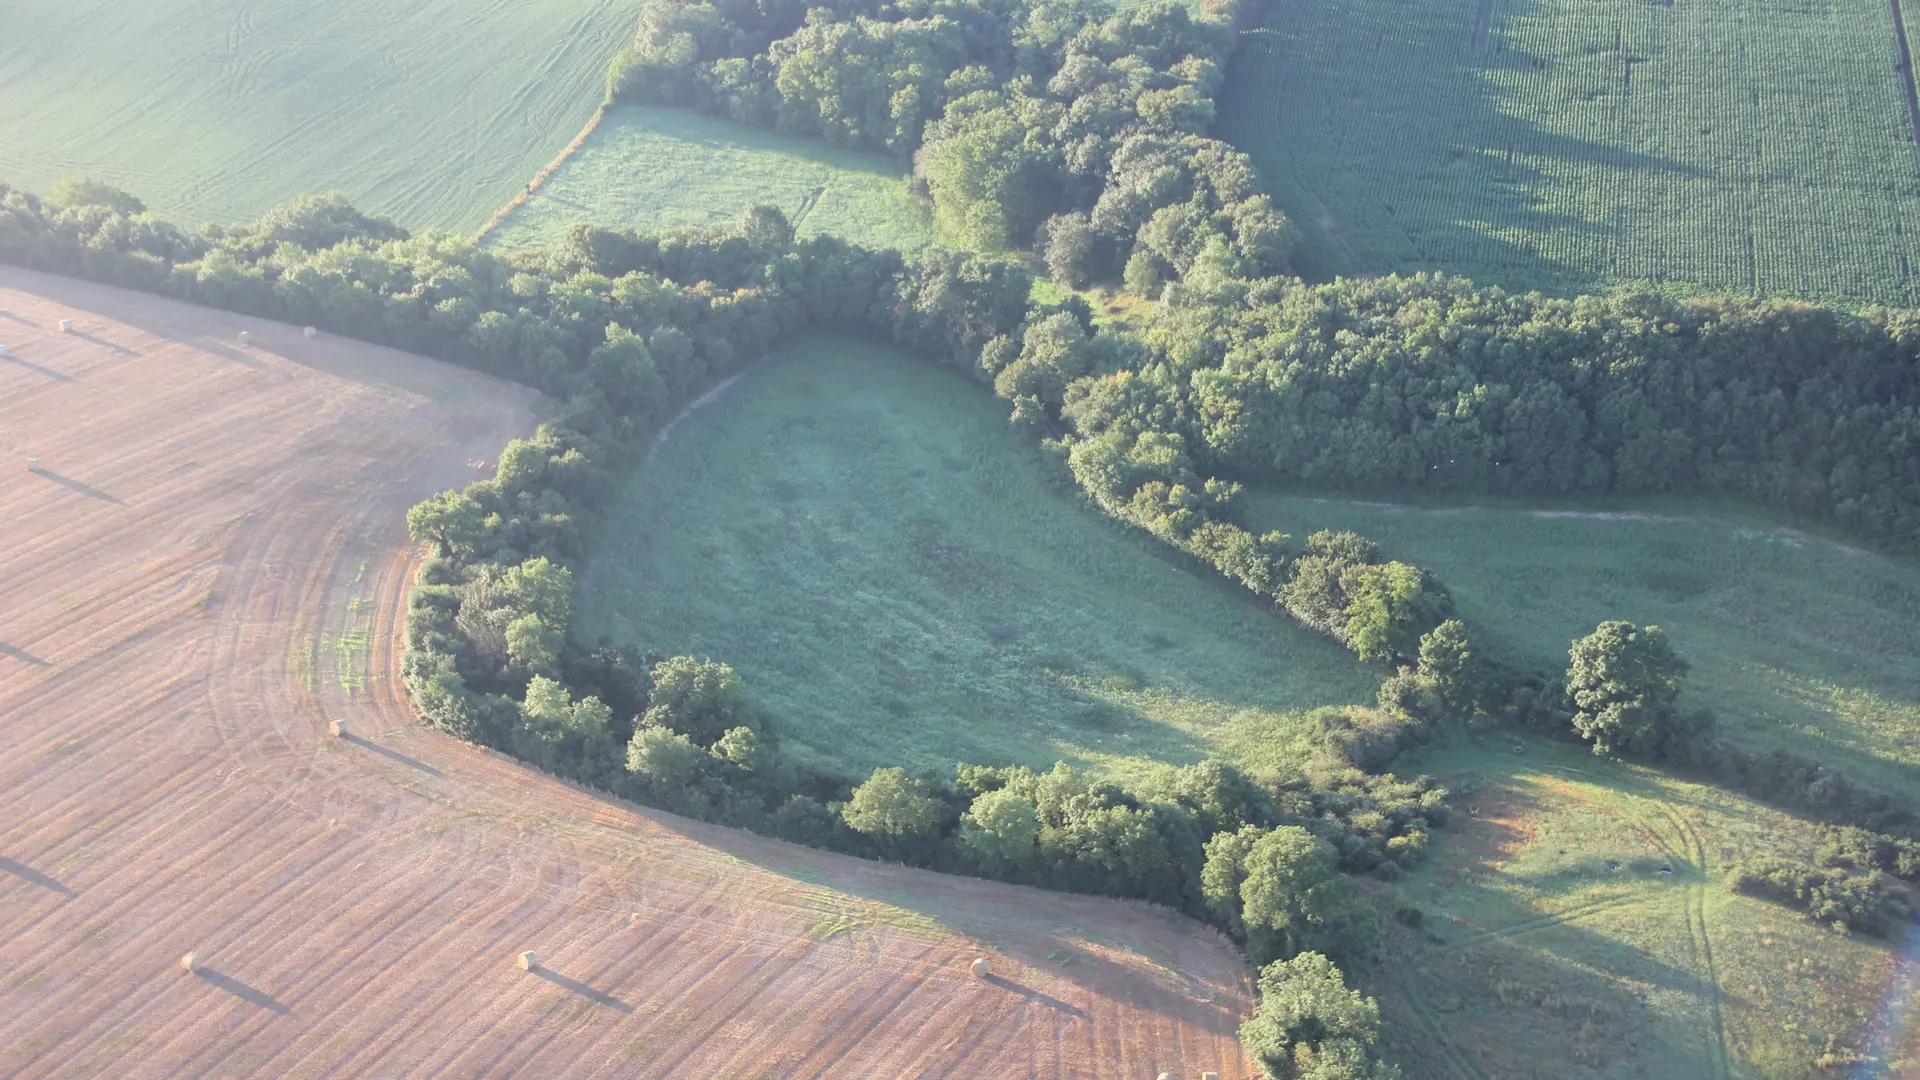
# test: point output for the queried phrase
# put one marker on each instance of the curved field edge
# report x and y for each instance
(433, 113)
(1796, 643)
(902, 578)
(207, 571)
(1579, 914)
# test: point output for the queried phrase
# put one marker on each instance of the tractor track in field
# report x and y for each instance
(1718, 1058)
(1690, 852)
(1435, 1031)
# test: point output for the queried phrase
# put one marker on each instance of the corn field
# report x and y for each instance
(1756, 146)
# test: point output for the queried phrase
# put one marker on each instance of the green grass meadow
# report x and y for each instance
(1563, 145)
(647, 167)
(902, 579)
(1795, 641)
(1551, 944)
(434, 112)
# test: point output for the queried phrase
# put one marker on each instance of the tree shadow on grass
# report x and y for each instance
(244, 992)
(1448, 191)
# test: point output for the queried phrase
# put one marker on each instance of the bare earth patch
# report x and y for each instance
(209, 568)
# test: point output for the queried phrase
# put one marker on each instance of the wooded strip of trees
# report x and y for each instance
(1363, 384)
(1069, 127)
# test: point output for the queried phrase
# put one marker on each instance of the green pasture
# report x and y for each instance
(1795, 641)
(434, 112)
(903, 579)
(1551, 942)
(1563, 145)
(647, 167)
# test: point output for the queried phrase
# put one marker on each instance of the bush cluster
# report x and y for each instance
(1869, 903)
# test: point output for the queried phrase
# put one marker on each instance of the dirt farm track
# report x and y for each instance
(207, 569)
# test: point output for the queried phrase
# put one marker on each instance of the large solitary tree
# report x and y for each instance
(1624, 680)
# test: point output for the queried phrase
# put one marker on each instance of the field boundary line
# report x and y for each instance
(1906, 69)
(545, 174)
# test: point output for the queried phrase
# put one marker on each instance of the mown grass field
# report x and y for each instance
(647, 167)
(902, 579)
(1794, 641)
(1552, 944)
(1566, 144)
(434, 112)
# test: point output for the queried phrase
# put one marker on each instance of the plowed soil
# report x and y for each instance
(208, 569)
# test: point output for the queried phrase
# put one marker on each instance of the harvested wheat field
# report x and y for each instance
(205, 572)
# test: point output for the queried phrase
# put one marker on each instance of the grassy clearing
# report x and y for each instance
(1565, 144)
(902, 579)
(650, 168)
(1795, 642)
(434, 111)
(1551, 935)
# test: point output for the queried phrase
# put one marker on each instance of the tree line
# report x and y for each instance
(1069, 127)
(623, 328)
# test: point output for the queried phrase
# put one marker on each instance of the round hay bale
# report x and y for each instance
(190, 963)
(66, 326)
(33, 464)
(528, 961)
(311, 332)
(339, 729)
(3, 350)
(979, 967)
(245, 338)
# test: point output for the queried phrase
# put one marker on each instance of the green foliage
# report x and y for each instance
(1391, 607)
(700, 699)
(1310, 1026)
(1291, 894)
(666, 758)
(452, 520)
(894, 805)
(79, 192)
(1624, 680)
(1870, 903)
(1449, 663)
(1000, 828)
(1081, 115)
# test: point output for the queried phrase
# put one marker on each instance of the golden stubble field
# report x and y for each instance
(209, 568)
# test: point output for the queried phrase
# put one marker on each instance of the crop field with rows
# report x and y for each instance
(651, 168)
(1765, 146)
